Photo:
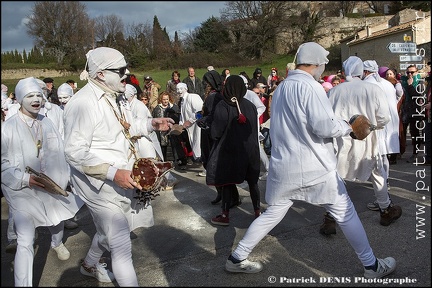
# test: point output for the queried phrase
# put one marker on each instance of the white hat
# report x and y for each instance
(181, 85)
(311, 53)
(26, 86)
(103, 58)
(370, 65)
(353, 66)
(130, 91)
(65, 89)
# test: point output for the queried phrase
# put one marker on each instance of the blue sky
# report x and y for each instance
(180, 16)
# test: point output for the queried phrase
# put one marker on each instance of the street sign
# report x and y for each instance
(407, 58)
(403, 66)
(408, 47)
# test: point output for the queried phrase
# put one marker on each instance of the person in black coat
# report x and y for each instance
(213, 83)
(258, 78)
(234, 156)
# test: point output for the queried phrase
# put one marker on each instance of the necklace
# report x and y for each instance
(36, 133)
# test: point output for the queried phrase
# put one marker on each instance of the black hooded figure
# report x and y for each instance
(258, 78)
(212, 83)
(234, 156)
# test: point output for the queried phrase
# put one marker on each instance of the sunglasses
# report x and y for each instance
(411, 72)
(121, 71)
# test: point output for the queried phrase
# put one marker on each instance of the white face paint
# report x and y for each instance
(129, 96)
(31, 104)
(113, 80)
(64, 98)
(181, 91)
(317, 72)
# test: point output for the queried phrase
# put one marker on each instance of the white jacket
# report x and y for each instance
(192, 103)
(357, 158)
(390, 133)
(94, 136)
(303, 162)
(18, 150)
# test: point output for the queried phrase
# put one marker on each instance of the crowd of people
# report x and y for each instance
(87, 141)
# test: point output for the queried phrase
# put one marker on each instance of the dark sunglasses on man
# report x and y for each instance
(121, 71)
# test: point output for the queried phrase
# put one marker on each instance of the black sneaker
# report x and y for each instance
(12, 246)
(390, 214)
(329, 225)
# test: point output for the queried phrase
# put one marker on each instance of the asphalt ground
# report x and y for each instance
(183, 248)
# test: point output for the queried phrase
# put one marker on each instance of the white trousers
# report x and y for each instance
(121, 252)
(343, 211)
(379, 183)
(25, 231)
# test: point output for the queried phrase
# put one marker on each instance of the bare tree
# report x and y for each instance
(107, 30)
(254, 24)
(139, 37)
(60, 28)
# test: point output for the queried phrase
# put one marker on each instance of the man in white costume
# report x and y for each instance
(390, 134)
(30, 139)
(64, 93)
(101, 156)
(361, 160)
(303, 165)
(55, 114)
(190, 104)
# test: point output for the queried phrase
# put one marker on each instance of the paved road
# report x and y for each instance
(184, 249)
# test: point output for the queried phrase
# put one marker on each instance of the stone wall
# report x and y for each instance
(38, 73)
(332, 29)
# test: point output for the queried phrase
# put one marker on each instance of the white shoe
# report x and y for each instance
(69, 224)
(244, 266)
(62, 252)
(203, 173)
(385, 267)
(98, 271)
(263, 177)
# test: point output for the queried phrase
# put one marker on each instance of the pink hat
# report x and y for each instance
(327, 85)
(382, 71)
(329, 78)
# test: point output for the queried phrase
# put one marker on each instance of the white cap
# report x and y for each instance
(26, 86)
(130, 91)
(353, 66)
(311, 53)
(181, 85)
(103, 58)
(65, 89)
(370, 65)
